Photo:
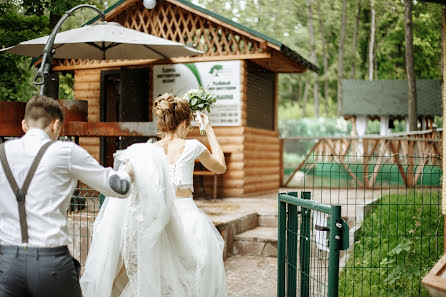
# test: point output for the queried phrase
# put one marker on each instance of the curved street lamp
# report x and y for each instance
(45, 66)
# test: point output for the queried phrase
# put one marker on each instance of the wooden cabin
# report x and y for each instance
(238, 64)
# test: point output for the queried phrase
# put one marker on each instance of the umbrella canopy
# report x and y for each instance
(104, 40)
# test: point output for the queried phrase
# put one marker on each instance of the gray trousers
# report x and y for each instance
(38, 272)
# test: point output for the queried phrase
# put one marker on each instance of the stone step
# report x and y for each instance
(268, 220)
(260, 241)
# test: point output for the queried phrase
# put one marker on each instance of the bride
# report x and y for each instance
(157, 242)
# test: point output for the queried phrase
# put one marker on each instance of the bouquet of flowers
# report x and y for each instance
(199, 100)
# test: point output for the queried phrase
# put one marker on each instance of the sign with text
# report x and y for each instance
(221, 78)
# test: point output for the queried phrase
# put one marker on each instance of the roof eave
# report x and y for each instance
(298, 58)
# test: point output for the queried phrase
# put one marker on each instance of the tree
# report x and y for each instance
(341, 57)
(313, 58)
(287, 21)
(29, 19)
(324, 56)
(355, 39)
(410, 65)
(372, 38)
(15, 77)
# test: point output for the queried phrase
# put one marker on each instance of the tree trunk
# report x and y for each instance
(355, 39)
(313, 58)
(410, 65)
(341, 57)
(372, 38)
(299, 91)
(325, 57)
(305, 99)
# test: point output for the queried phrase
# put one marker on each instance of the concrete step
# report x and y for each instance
(260, 241)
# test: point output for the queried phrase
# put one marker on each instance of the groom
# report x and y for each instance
(37, 177)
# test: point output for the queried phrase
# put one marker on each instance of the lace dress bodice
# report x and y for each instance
(181, 173)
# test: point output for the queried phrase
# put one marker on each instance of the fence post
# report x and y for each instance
(292, 248)
(334, 244)
(281, 249)
(305, 248)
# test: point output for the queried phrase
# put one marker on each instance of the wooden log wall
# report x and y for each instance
(253, 166)
(262, 161)
(231, 140)
(87, 86)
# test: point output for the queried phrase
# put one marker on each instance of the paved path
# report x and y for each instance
(251, 276)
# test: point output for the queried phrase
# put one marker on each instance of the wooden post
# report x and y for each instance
(365, 157)
(281, 162)
(410, 173)
(276, 102)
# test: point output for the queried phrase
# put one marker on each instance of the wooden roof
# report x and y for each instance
(216, 36)
(389, 98)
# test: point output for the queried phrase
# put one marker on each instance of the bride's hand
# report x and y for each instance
(129, 169)
(205, 118)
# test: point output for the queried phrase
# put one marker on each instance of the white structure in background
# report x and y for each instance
(386, 100)
(384, 128)
(361, 130)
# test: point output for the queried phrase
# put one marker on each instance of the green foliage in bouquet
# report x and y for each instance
(200, 99)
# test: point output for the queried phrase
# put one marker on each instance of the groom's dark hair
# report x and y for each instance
(44, 109)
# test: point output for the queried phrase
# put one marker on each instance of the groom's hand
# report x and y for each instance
(119, 185)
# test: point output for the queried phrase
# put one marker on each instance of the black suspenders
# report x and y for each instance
(20, 193)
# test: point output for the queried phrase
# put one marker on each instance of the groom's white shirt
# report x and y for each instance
(50, 191)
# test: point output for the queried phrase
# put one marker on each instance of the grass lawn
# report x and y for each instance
(398, 243)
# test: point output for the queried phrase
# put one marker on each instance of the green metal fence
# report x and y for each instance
(308, 262)
(396, 230)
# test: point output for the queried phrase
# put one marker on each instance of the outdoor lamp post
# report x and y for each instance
(42, 74)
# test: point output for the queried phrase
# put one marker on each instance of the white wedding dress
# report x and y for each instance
(154, 244)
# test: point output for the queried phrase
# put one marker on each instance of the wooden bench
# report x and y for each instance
(204, 172)
(201, 171)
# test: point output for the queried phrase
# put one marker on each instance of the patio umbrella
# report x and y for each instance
(104, 40)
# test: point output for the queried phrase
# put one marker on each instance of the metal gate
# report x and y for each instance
(311, 236)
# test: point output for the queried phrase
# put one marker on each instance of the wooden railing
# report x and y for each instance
(400, 148)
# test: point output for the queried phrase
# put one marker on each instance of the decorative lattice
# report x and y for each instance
(169, 21)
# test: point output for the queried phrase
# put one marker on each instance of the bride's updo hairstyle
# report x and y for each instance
(171, 111)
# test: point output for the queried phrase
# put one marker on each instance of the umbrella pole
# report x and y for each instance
(42, 74)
